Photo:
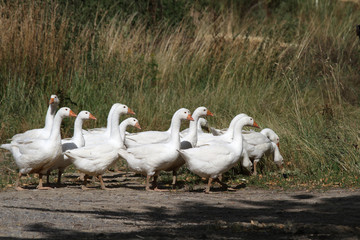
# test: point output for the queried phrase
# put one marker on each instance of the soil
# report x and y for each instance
(127, 211)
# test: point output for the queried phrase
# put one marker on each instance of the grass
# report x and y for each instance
(293, 71)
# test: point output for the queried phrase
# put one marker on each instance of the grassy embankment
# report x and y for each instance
(295, 72)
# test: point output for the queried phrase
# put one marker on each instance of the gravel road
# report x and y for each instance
(127, 211)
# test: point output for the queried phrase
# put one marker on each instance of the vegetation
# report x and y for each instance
(292, 65)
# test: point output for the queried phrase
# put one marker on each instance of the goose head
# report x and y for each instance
(54, 100)
(133, 122)
(247, 121)
(86, 115)
(202, 111)
(66, 112)
(271, 135)
(123, 109)
(184, 114)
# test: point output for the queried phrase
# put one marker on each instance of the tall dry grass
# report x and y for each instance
(298, 75)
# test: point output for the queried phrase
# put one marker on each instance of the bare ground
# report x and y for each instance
(127, 211)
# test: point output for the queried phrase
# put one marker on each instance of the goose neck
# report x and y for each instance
(109, 119)
(192, 135)
(78, 136)
(55, 130)
(50, 114)
(237, 137)
(122, 127)
(174, 130)
(114, 127)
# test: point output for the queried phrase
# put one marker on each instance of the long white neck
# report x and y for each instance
(270, 134)
(192, 134)
(109, 119)
(230, 131)
(198, 125)
(49, 119)
(55, 134)
(78, 137)
(277, 156)
(114, 127)
(265, 132)
(237, 138)
(122, 128)
(174, 131)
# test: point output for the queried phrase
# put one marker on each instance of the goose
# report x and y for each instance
(204, 138)
(97, 136)
(95, 160)
(210, 161)
(38, 155)
(189, 140)
(263, 143)
(202, 124)
(76, 141)
(41, 133)
(150, 159)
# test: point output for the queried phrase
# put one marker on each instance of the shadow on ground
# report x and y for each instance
(294, 218)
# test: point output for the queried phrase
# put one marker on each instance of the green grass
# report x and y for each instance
(295, 71)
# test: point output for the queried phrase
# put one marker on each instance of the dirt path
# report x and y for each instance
(129, 212)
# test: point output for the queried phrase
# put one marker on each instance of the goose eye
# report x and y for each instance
(124, 107)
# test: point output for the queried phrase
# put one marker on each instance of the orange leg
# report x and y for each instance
(17, 182)
(40, 186)
(101, 182)
(147, 187)
(83, 186)
(207, 190)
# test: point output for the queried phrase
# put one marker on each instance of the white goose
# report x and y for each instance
(76, 141)
(258, 144)
(95, 160)
(227, 136)
(210, 161)
(99, 135)
(150, 159)
(189, 140)
(38, 155)
(49, 120)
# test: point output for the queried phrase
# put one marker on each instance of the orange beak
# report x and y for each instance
(209, 113)
(255, 125)
(278, 144)
(130, 111)
(137, 125)
(52, 100)
(189, 117)
(72, 114)
(92, 116)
